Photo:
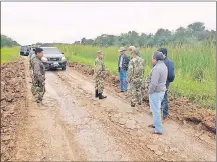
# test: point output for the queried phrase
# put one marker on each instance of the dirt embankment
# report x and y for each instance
(13, 97)
(179, 108)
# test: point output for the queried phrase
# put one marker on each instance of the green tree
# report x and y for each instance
(194, 33)
(8, 42)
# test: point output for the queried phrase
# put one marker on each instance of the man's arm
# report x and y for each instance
(118, 64)
(130, 71)
(170, 67)
(154, 80)
(171, 73)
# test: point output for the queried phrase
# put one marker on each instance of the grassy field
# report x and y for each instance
(9, 54)
(195, 68)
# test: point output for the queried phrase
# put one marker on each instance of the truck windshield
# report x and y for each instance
(51, 51)
(23, 48)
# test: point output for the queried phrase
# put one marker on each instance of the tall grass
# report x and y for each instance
(9, 54)
(194, 67)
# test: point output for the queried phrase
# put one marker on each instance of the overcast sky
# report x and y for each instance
(31, 22)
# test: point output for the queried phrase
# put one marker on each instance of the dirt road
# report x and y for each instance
(73, 125)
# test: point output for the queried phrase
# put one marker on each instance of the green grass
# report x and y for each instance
(194, 67)
(9, 54)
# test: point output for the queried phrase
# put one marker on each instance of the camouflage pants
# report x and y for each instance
(99, 84)
(37, 91)
(135, 92)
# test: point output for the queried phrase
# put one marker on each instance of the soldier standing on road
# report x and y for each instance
(30, 65)
(38, 84)
(31, 52)
(99, 73)
(135, 76)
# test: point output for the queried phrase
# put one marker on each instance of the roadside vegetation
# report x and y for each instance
(8, 42)
(10, 50)
(9, 54)
(193, 50)
(194, 67)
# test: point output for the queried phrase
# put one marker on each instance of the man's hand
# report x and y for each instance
(43, 83)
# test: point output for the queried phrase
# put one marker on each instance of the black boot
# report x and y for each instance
(133, 105)
(101, 96)
(96, 93)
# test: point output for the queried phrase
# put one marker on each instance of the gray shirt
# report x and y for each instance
(156, 81)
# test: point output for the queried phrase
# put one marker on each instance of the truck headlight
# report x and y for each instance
(44, 59)
(63, 58)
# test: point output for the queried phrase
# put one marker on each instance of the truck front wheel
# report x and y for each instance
(64, 68)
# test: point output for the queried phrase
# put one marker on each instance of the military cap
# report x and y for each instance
(122, 49)
(100, 51)
(133, 48)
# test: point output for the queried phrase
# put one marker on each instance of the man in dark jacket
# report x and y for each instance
(123, 62)
(170, 78)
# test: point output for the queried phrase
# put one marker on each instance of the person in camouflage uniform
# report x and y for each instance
(30, 65)
(99, 74)
(38, 84)
(135, 76)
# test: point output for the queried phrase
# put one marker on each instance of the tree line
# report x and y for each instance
(192, 34)
(8, 42)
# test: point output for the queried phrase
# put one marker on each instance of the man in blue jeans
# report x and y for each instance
(170, 78)
(123, 62)
(156, 84)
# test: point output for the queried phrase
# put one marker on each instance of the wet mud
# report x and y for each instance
(13, 100)
(180, 109)
(72, 125)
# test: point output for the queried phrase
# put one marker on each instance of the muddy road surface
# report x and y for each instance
(72, 124)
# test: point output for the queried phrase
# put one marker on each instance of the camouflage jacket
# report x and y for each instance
(30, 60)
(136, 70)
(99, 68)
(38, 70)
(148, 80)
